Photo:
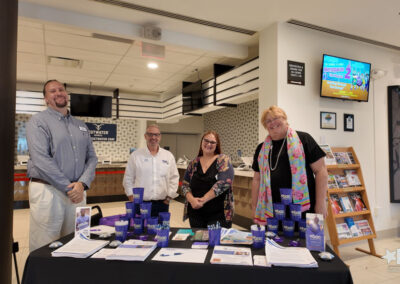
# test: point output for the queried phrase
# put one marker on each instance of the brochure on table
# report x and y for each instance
(231, 255)
(79, 248)
(236, 237)
(181, 255)
(133, 250)
(82, 222)
(288, 256)
(315, 238)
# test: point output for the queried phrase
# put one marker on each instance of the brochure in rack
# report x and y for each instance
(343, 231)
(352, 178)
(335, 203)
(363, 227)
(329, 158)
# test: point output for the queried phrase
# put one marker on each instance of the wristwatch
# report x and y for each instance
(85, 187)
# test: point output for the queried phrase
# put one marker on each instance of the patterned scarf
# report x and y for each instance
(297, 162)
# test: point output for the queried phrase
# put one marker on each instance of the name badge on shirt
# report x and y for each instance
(165, 162)
(81, 128)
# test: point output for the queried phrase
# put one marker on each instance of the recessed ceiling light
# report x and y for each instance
(152, 65)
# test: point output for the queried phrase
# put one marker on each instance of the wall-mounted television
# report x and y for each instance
(345, 79)
(192, 96)
(91, 105)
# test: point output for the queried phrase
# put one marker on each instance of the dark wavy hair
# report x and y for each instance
(218, 149)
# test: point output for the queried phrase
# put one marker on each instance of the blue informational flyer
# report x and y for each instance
(82, 222)
(315, 237)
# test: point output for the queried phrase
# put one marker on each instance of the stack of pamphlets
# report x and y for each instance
(363, 227)
(343, 231)
(181, 255)
(234, 236)
(79, 248)
(288, 256)
(231, 255)
(133, 250)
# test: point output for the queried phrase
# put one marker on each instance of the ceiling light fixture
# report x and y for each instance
(152, 65)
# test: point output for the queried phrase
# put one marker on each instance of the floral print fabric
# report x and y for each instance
(223, 184)
(297, 162)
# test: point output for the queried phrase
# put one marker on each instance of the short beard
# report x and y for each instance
(61, 105)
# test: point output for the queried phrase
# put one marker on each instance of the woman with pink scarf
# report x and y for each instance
(287, 159)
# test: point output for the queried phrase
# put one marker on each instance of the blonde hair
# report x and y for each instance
(274, 111)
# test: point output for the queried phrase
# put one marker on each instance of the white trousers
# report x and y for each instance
(52, 214)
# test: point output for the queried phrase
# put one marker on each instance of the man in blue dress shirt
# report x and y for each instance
(62, 164)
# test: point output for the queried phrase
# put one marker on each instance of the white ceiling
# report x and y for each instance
(64, 29)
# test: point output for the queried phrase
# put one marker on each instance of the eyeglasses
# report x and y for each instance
(206, 141)
(153, 134)
(268, 121)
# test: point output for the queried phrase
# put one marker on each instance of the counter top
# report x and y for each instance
(99, 166)
(237, 172)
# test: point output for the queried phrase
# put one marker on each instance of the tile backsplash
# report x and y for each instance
(237, 128)
(127, 137)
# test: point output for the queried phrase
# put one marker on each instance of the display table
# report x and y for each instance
(40, 267)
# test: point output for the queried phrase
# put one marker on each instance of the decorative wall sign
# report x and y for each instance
(295, 73)
(328, 120)
(348, 120)
(102, 131)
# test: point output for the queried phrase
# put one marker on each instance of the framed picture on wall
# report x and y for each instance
(348, 121)
(394, 142)
(327, 120)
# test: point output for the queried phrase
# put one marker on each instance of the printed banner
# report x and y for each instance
(102, 131)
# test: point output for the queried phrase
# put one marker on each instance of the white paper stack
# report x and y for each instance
(288, 256)
(231, 255)
(181, 255)
(133, 250)
(101, 229)
(79, 248)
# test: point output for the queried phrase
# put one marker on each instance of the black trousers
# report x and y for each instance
(198, 220)
(158, 206)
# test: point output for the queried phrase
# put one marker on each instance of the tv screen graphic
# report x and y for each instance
(192, 97)
(345, 78)
(91, 105)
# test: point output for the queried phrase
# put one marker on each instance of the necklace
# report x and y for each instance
(277, 159)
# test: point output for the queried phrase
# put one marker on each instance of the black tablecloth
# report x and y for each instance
(40, 267)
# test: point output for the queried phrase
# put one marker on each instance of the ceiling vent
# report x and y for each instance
(152, 32)
(153, 50)
(342, 34)
(171, 15)
(112, 38)
(64, 62)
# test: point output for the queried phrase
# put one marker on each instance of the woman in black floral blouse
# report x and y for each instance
(207, 185)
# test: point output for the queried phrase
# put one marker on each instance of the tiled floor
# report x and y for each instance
(365, 269)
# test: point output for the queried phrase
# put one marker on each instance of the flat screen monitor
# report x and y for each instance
(345, 79)
(91, 105)
(192, 97)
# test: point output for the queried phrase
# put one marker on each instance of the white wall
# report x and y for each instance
(303, 103)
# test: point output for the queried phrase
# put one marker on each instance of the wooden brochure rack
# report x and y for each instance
(335, 218)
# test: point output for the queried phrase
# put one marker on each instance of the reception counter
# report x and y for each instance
(106, 187)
